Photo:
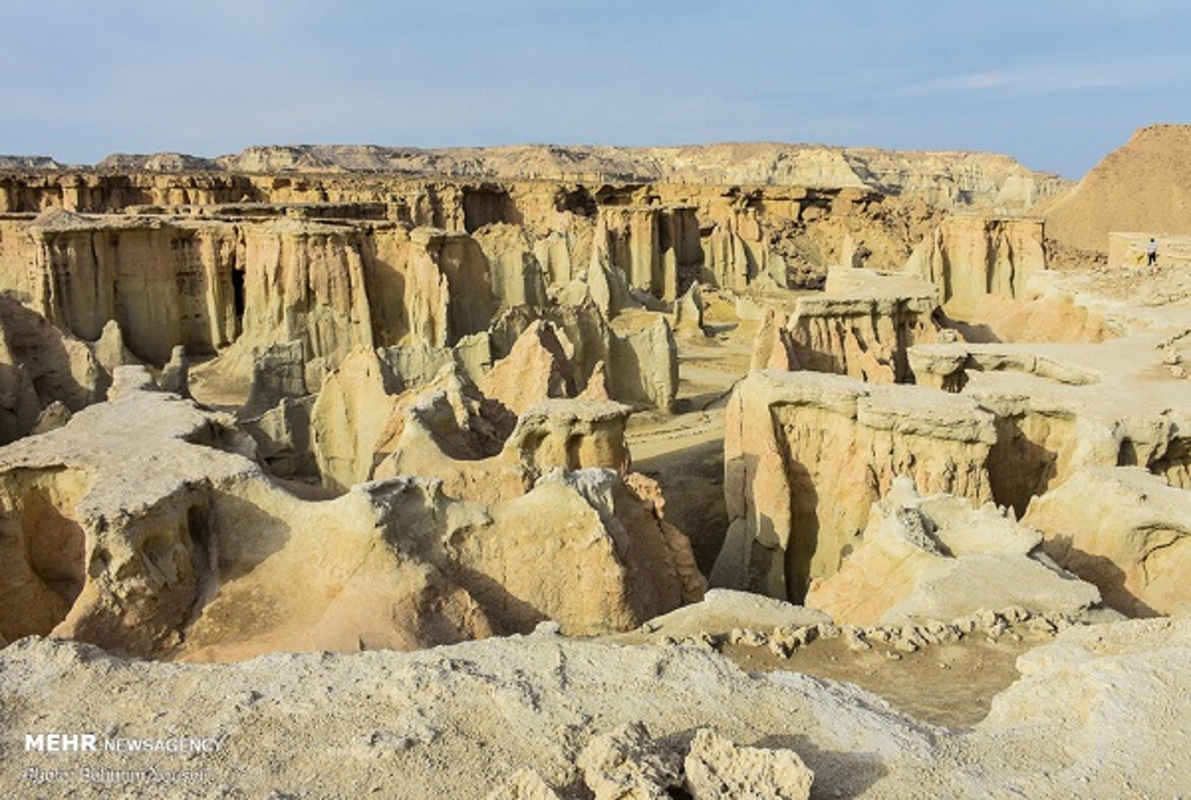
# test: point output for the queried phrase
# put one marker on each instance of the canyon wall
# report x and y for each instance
(969, 258)
(806, 455)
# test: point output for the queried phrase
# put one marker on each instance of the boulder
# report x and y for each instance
(716, 769)
(1124, 530)
(626, 763)
(939, 558)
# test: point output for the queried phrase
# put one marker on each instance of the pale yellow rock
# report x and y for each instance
(716, 769)
(524, 784)
(798, 487)
(140, 526)
(537, 368)
(939, 558)
(970, 257)
(348, 419)
(627, 764)
(1124, 530)
(515, 271)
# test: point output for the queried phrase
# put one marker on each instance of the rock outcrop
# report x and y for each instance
(862, 326)
(503, 708)
(939, 558)
(968, 258)
(140, 526)
(1124, 530)
(716, 769)
(806, 454)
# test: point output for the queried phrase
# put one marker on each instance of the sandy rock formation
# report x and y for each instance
(650, 245)
(862, 326)
(968, 258)
(278, 372)
(40, 366)
(524, 784)
(945, 365)
(939, 558)
(637, 349)
(627, 763)
(349, 417)
(1124, 530)
(716, 769)
(798, 486)
(134, 527)
(688, 311)
(537, 368)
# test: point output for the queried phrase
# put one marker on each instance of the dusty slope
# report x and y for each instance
(456, 721)
(1143, 186)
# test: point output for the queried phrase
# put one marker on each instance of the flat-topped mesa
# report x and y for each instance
(806, 454)
(968, 258)
(863, 325)
(960, 178)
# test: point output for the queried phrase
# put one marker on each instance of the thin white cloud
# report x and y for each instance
(1056, 78)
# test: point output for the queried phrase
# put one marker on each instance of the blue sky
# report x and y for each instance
(1056, 83)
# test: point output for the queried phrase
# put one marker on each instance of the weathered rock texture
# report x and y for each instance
(939, 558)
(806, 455)
(716, 769)
(136, 527)
(387, 722)
(862, 326)
(968, 258)
(1124, 530)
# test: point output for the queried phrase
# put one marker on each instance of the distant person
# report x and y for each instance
(1151, 253)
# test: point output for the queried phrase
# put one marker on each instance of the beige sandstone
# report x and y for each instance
(1124, 530)
(537, 368)
(939, 558)
(492, 709)
(199, 555)
(717, 770)
(805, 454)
(968, 258)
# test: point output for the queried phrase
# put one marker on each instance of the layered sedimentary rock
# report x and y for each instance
(939, 558)
(230, 286)
(863, 326)
(806, 454)
(968, 258)
(138, 527)
(957, 178)
(40, 366)
(1124, 530)
(650, 245)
